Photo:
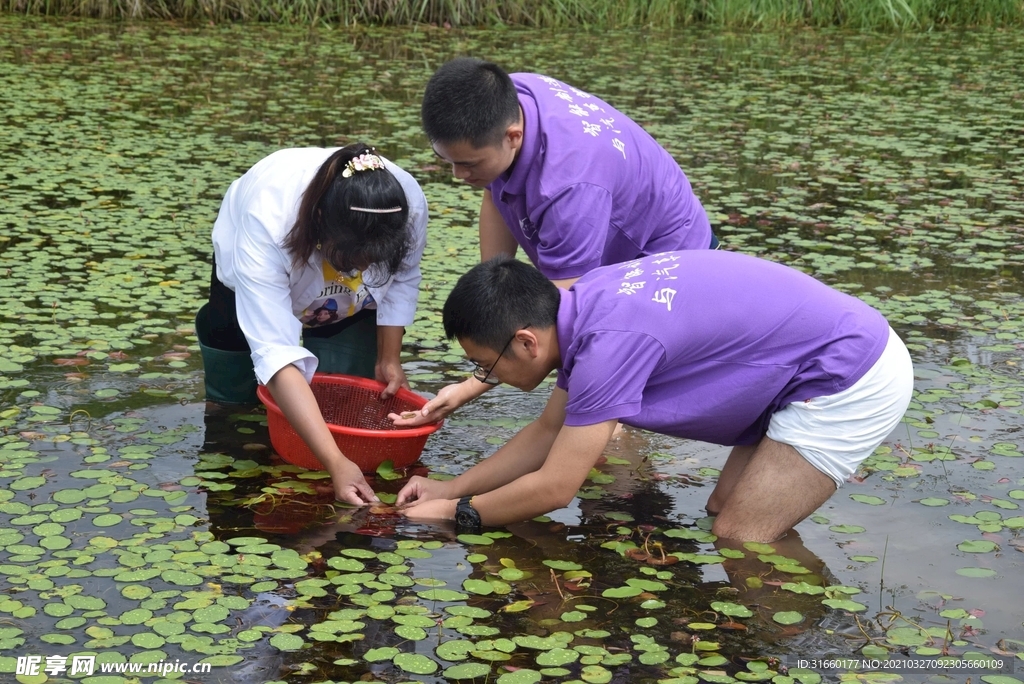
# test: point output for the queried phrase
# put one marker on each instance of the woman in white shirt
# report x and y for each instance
(323, 245)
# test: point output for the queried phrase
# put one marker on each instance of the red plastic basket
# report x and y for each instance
(359, 421)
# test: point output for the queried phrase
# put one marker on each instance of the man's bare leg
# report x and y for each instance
(777, 489)
(730, 475)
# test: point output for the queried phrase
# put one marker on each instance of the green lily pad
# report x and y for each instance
(731, 609)
(286, 642)
(868, 499)
(415, 663)
(977, 546)
(788, 617)
(107, 520)
(467, 671)
(475, 539)
(377, 655)
(523, 676)
(455, 650)
(976, 572)
(557, 657)
(480, 587)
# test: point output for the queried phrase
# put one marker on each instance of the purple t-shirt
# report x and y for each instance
(590, 187)
(708, 345)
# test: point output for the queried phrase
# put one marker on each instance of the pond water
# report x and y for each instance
(139, 523)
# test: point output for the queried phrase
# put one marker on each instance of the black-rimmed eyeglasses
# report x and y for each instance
(484, 374)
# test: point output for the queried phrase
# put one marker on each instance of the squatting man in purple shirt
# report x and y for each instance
(573, 181)
(802, 380)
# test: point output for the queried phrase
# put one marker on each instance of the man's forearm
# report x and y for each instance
(495, 237)
(523, 454)
(552, 486)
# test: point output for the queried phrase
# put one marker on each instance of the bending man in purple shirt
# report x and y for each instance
(804, 381)
(573, 181)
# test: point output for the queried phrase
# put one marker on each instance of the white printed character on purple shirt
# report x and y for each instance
(591, 185)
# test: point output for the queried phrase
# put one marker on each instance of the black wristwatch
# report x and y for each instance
(466, 517)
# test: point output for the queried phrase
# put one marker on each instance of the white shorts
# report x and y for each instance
(835, 433)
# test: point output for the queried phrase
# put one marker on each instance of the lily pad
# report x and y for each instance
(415, 663)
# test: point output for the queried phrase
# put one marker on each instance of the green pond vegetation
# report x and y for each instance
(662, 14)
(139, 525)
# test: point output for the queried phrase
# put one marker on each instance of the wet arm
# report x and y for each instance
(524, 453)
(295, 398)
(573, 454)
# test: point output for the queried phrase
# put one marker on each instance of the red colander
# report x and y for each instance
(357, 419)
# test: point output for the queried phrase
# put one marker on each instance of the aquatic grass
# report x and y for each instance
(766, 14)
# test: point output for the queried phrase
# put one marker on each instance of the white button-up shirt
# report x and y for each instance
(256, 215)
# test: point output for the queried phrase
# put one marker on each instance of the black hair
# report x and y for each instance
(352, 239)
(495, 299)
(471, 100)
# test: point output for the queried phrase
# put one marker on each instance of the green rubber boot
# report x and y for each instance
(229, 375)
(353, 351)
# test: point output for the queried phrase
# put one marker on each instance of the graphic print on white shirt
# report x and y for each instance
(343, 295)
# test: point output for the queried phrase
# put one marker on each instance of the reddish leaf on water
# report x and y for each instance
(77, 361)
(118, 355)
(322, 486)
(638, 555)
(732, 627)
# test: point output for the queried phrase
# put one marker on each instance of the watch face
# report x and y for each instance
(466, 516)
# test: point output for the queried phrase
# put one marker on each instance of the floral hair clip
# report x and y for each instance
(367, 161)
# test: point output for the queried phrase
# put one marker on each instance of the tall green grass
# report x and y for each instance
(860, 14)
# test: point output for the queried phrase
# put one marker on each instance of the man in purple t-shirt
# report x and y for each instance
(804, 381)
(573, 181)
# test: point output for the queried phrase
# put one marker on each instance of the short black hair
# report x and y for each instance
(495, 299)
(471, 100)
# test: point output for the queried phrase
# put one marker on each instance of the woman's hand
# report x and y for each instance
(296, 400)
(419, 489)
(447, 400)
(389, 365)
(391, 373)
(349, 484)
